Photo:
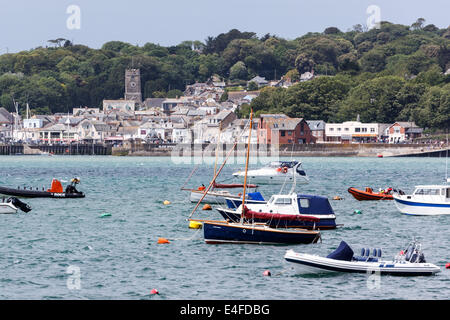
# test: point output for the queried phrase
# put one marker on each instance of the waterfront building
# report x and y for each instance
(351, 131)
(317, 130)
(280, 129)
(402, 131)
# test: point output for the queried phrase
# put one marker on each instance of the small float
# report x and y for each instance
(368, 194)
(56, 191)
(409, 262)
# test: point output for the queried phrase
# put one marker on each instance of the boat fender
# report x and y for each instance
(278, 169)
(163, 241)
(195, 225)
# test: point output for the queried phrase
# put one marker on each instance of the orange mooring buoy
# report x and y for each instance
(207, 207)
(163, 240)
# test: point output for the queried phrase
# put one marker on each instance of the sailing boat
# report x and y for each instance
(426, 200)
(216, 232)
(286, 210)
(218, 192)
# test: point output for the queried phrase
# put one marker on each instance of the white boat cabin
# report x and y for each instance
(438, 193)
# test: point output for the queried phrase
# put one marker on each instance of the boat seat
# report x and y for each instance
(367, 256)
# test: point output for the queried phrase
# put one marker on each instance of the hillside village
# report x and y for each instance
(196, 117)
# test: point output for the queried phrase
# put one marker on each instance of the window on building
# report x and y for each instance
(283, 133)
(364, 129)
(372, 130)
(357, 129)
(331, 129)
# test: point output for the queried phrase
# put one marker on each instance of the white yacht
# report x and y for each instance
(277, 172)
(425, 201)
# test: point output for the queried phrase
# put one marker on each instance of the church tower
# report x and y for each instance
(133, 85)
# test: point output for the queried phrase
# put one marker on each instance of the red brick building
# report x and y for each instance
(280, 129)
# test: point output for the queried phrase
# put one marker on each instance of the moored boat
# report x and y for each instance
(216, 195)
(56, 191)
(410, 262)
(277, 172)
(218, 232)
(287, 211)
(12, 205)
(426, 200)
(368, 194)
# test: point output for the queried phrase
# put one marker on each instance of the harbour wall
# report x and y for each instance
(209, 150)
(299, 150)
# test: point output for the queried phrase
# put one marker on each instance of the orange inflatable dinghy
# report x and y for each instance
(368, 194)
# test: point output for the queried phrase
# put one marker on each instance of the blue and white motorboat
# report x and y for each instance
(410, 262)
(425, 200)
(277, 172)
(286, 210)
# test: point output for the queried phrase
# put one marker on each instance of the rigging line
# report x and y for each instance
(446, 161)
(217, 174)
(285, 179)
(246, 165)
(190, 176)
(217, 148)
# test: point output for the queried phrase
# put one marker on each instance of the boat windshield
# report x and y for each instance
(427, 192)
(278, 164)
(283, 201)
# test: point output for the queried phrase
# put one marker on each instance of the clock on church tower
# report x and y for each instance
(133, 85)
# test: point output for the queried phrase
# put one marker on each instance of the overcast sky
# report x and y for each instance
(26, 24)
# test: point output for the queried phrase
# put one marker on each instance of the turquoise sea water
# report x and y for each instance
(118, 256)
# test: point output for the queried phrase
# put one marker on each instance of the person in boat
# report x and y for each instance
(71, 187)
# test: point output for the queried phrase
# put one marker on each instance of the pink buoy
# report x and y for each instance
(154, 291)
(447, 266)
(267, 273)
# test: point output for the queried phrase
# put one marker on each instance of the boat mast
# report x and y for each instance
(217, 148)
(446, 162)
(246, 165)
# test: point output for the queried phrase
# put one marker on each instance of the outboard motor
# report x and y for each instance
(19, 204)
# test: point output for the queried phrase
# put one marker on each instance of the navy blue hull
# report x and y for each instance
(223, 233)
(276, 223)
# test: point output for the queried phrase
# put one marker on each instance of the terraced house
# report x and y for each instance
(280, 129)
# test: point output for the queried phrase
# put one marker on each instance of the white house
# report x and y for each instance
(351, 131)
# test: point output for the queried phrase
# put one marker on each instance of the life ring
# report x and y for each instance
(285, 169)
